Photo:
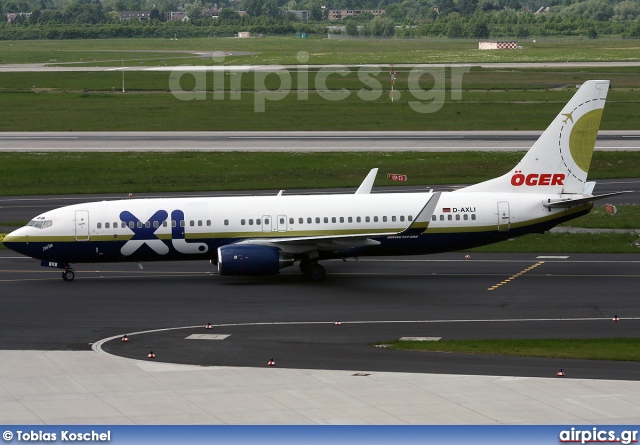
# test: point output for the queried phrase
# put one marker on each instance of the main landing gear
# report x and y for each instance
(312, 270)
(68, 275)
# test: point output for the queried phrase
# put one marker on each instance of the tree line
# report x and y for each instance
(408, 18)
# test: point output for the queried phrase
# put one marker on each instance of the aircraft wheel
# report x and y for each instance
(305, 266)
(316, 272)
(68, 275)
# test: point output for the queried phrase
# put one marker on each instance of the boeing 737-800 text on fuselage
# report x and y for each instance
(259, 235)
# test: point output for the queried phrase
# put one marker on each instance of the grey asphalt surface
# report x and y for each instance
(292, 141)
(291, 320)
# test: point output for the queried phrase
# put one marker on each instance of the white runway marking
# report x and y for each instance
(97, 346)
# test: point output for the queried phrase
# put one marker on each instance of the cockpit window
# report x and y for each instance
(39, 224)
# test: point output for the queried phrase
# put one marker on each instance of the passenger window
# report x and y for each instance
(173, 223)
(441, 217)
(106, 225)
(281, 220)
(192, 223)
(123, 225)
(300, 220)
(259, 223)
(199, 223)
(473, 217)
(375, 219)
(350, 219)
(309, 220)
(342, 219)
(465, 217)
(410, 218)
(291, 220)
(208, 222)
(226, 222)
(266, 220)
(402, 218)
(317, 220)
(182, 224)
(449, 217)
(384, 219)
(156, 224)
(326, 220)
(132, 224)
(40, 224)
(433, 217)
(147, 225)
(358, 219)
(333, 219)
(367, 219)
(393, 218)
(458, 217)
(242, 222)
(250, 221)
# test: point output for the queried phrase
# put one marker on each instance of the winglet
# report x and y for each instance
(367, 184)
(420, 224)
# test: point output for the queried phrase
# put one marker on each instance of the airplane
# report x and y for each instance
(260, 235)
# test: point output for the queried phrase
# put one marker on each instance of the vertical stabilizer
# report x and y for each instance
(559, 160)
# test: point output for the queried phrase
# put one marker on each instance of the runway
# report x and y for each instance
(291, 320)
(291, 141)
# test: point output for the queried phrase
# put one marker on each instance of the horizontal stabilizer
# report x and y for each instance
(573, 202)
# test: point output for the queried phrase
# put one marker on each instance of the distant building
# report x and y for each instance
(303, 15)
(176, 16)
(542, 10)
(339, 14)
(12, 16)
(214, 13)
(130, 15)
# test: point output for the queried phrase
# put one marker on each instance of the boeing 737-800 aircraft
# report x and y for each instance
(259, 235)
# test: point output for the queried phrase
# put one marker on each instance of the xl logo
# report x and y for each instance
(145, 233)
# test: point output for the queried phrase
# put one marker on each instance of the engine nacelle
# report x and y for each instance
(241, 259)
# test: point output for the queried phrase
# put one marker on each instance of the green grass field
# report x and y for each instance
(621, 349)
(69, 173)
(284, 50)
(155, 112)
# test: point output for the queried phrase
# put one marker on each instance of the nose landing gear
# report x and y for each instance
(68, 275)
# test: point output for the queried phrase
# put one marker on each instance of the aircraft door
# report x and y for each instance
(82, 225)
(282, 223)
(504, 218)
(266, 223)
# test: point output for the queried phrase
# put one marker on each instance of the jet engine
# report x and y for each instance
(243, 259)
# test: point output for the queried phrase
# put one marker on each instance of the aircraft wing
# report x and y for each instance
(565, 203)
(310, 243)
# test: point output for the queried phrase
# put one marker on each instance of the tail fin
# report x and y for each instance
(559, 160)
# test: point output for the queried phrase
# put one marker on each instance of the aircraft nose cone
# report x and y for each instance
(13, 241)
